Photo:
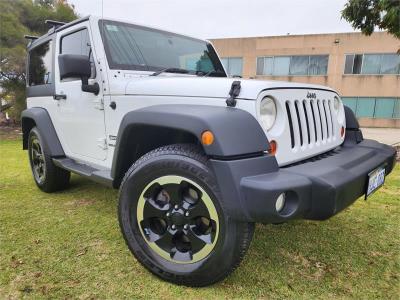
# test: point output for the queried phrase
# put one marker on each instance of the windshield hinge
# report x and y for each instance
(99, 104)
(233, 93)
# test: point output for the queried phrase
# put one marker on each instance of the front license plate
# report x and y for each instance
(375, 180)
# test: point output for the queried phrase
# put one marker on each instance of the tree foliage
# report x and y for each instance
(17, 18)
(366, 15)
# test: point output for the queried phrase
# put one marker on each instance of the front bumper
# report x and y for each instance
(316, 189)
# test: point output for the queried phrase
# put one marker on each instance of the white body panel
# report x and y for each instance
(129, 103)
(81, 122)
(79, 119)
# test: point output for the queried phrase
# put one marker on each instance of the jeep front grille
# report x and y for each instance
(305, 127)
(311, 122)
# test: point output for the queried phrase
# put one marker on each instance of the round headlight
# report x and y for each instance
(336, 104)
(339, 110)
(267, 113)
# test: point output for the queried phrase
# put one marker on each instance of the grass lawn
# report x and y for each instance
(68, 245)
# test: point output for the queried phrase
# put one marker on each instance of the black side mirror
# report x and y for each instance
(72, 66)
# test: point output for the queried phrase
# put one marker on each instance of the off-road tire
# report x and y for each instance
(190, 162)
(55, 178)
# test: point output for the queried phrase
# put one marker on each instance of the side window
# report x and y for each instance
(78, 43)
(40, 65)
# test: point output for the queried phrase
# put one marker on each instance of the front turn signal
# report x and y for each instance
(273, 147)
(207, 138)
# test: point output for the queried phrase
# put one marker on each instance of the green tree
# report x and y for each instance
(366, 15)
(17, 18)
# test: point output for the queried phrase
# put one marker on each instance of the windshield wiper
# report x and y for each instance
(170, 70)
(215, 73)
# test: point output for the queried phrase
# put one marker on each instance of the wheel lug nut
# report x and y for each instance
(176, 206)
(187, 214)
(186, 226)
(173, 226)
(168, 214)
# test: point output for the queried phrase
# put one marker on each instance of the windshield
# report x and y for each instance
(132, 47)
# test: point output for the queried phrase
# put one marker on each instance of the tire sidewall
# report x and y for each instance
(55, 179)
(218, 261)
(34, 133)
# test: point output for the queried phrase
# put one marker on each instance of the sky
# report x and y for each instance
(225, 18)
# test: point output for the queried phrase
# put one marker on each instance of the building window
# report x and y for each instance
(281, 66)
(353, 64)
(372, 64)
(390, 64)
(299, 65)
(233, 65)
(371, 107)
(318, 65)
(40, 65)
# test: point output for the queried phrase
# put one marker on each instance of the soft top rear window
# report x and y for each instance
(40, 65)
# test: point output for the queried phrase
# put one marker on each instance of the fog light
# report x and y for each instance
(280, 202)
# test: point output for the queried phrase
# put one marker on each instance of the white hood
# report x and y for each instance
(208, 87)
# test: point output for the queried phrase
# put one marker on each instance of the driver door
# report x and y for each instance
(80, 115)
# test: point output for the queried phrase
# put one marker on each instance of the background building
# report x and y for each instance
(364, 70)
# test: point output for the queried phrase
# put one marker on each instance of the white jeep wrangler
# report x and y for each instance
(198, 157)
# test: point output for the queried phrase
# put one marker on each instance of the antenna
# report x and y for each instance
(54, 24)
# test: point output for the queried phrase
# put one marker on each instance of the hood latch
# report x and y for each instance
(233, 93)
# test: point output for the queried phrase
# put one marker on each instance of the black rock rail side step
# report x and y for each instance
(100, 176)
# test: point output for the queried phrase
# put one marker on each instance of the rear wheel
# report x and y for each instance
(48, 177)
(171, 217)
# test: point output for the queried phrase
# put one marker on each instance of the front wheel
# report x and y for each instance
(171, 217)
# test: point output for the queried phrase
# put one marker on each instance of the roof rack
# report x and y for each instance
(30, 37)
(54, 24)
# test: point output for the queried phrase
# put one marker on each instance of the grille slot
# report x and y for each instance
(306, 115)
(290, 124)
(328, 119)
(311, 122)
(299, 122)
(313, 119)
(322, 119)
(332, 116)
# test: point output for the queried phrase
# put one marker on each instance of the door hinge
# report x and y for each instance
(99, 104)
(102, 143)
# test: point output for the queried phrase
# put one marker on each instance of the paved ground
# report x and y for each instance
(390, 136)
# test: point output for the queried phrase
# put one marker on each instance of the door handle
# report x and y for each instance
(113, 105)
(59, 96)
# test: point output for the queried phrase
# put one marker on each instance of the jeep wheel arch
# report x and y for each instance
(237, 133)
(351, 120)
(40, 118)
(353, 132)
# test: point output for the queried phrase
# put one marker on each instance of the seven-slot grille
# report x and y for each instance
(311, 122)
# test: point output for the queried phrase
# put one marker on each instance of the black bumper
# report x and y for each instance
(316, 189)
